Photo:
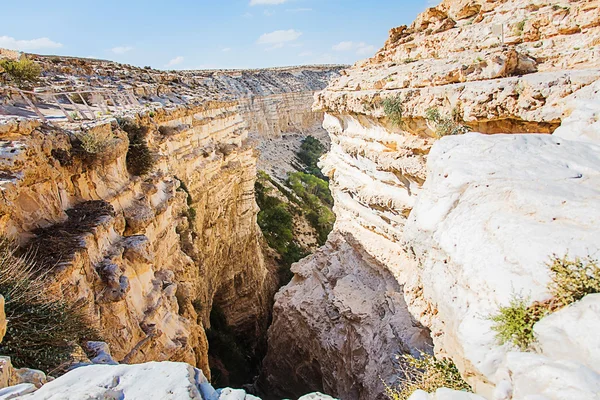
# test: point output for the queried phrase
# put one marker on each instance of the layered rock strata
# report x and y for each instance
(463, 227)
(150, 256)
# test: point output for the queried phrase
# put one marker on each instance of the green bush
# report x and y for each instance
(428, 374)
(42, 332)
(310, 152)
(22, 72)
(317, 202)
(571, 280)
(93, 146)
(140, 159)
(444, 125)
(392, 107)
(514, 323)
(277, 224)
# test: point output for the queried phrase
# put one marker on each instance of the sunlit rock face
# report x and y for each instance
(461, 223)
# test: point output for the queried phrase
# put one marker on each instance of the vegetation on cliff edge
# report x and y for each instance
(571, 280)
(43, 332)
(22, 73)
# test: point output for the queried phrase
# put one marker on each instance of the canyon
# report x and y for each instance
(149, 257)
(463, 156)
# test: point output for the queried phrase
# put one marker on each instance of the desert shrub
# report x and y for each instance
(571, 280)
(42, 332)
(277, 224)
(428, 374)
(317, 202)
(444, 125)
(392, 108)
(519, 27)
(514, 323)
(93, 142)
(92, 145)
(22, 72)
(140, 159)
(310, 152)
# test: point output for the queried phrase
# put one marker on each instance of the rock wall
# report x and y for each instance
(149, 257)
(397, 199)
(149, 269)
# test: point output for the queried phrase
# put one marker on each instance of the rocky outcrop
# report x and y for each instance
(348, 310)
(463, 222)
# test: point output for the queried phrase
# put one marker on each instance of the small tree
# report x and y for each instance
(22, 72)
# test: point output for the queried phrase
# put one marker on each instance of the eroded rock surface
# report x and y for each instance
(398, 189)
(345, 314)
(150, 256)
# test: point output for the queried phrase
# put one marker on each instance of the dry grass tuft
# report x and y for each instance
(428, 374)
(42, 332)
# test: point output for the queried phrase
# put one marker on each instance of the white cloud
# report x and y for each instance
(343, 46)
(266, 2)
(226, 50)
(33, 44)
(298, 10)
(366, 50)
(305, 54)
(121, 49)
(269, 13)
(176, 61)
(247, 15)
(278, 38)
(361, 48)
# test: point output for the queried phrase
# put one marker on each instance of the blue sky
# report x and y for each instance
(201, 34)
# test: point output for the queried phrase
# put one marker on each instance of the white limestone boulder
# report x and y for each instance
(493, 211)
(154, 380)
(573, 333)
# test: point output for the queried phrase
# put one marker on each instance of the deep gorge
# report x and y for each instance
(459, 181)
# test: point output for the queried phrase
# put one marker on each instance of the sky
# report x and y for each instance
(206, 34)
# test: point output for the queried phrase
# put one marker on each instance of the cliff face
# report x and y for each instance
(150, 256)
(458, 229)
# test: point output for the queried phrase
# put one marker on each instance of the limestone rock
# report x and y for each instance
(338, 326)
(570, 333)
(490, 228)
(33, 376)
(164, 380)
(17, 391)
